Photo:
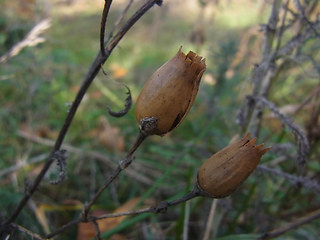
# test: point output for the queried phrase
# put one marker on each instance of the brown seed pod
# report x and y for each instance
(224, 171)
(170, 92)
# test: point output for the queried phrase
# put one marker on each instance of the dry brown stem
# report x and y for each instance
(290, 226)
(88, 79)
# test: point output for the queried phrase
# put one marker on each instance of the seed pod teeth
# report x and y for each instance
(260, 146)
(196, 62)
(246, 139)
(252, 142)
(193, 56)
(263, 151)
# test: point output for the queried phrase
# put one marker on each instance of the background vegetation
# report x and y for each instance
(39, 82)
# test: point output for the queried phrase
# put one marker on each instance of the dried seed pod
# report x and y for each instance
(170, 92)
(224, 171)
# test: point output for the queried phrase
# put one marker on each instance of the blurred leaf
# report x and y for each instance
(118, 71)
(41, 217)
(107, 135)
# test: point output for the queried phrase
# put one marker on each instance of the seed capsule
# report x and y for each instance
(170, 92)
(224, 171)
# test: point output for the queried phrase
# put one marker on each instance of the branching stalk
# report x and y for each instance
(90, 76)
(105, 13)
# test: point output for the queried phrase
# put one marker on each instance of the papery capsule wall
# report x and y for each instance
(224, 171)
(170, 92)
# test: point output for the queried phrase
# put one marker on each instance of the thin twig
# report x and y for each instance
(92, 73)
(135, 17)
(63, 228)
(32, 39)
(293, 179)
(91, 154)
(210, 220)
(279, 231)
(186, 221)
(159, 208)
(141, 137)
(121, 214)
(282, 27)
(301, 138)
(21, 164)
(27, 232)
(119, 19)
(101, 189)
(270, 30)
(252, 112)
(96, 226)
(309, 23)
(104, 17)
(293, 43)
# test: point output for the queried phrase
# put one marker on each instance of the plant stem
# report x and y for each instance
(281, 230)
(141, 137)
(105, 13)
(91, 74)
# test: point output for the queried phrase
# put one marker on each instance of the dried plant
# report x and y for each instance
(220, 175)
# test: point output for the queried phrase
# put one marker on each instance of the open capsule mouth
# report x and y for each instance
(252, 143)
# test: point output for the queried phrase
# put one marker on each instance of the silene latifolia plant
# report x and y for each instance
(162, 105)
(164, 102)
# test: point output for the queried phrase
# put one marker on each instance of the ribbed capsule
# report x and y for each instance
(224, 171)
(170, 92)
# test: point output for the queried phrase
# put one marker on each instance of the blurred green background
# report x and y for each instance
(38, 84)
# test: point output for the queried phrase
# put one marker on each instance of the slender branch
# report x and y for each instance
(270, 30)
(293, 179)
(301, 138)
(210, 219)
(159, 208)
(119, 19)
(309, 23)
(123, 164)
(186, 221)
(104, 17)
(260, 72)
(121, 214)
(21, 164)
(96, 226)
(33, 38)
(101, 189)
(27, 232)
(135, 17)
(87, 153)
(92, 73)
(141, 137)
(292, 44)
(279, 231)
(266, 72)
(64, 227)
(282, 28)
